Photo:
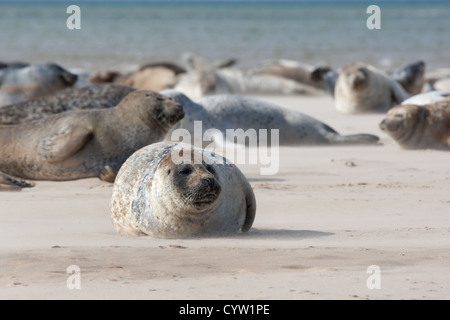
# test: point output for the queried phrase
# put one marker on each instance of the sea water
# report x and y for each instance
(121, 34)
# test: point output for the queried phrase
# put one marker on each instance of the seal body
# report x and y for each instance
(158, 194)
(155, 76)
(204, 78)
(420, 127)
(362, 88)
(299, 72)
(427, 98)
(223, 112)
(86, 143)
(31, 81)
(99, 96)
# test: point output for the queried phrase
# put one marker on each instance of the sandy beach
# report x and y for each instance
(321, 221)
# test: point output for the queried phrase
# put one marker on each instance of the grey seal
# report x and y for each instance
(31, 81)
(427, 98)
(206, 78)
(86, 143)
(158, 196)
(420, 127)
(100, 96)
(155, 76)
(362, 88)
(224, 112)
(411, 76)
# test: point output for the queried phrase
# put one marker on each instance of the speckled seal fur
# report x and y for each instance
(100, 96)
(86, 143)
(224, 112)
(420, 127)
(362, 88)
(155, 196)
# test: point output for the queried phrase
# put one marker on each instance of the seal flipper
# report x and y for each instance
(362, 138)
(398, 93)
(65, 143)
(251, 208)
(10, 183)
(108, 174)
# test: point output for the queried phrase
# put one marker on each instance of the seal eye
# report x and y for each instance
(210, 169)
(169, 172)
(186, 170)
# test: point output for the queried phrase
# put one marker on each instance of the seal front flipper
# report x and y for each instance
(108, 174)
(398, 93)
(10, 183)
(65, 142)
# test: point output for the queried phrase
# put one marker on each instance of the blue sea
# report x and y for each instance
(125, 33)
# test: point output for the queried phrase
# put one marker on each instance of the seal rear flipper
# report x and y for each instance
(362, 138)
(65, 143)
(10, 183)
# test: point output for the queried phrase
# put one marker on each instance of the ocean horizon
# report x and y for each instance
(120, 34)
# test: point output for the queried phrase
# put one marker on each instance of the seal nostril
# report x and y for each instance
(211, 183)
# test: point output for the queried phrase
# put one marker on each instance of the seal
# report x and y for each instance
(155, 194)
(14, 64)
(362, 88)
(224, 112)
(100, 96)
(297, 71)
(205, 78)
(154, 76)
(411, 76)
(32, 81)
(443, 84)
(420, 127)
(427, 98)
(86, 143)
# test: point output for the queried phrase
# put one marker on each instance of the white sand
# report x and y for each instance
(320, 223)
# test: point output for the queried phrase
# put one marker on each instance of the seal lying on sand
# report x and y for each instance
(299, 72)
(100, 96)
(427, 98)
(86, 143)
(203, 78)
(155, 76)
(420, 127)
(224, 112)
(411, 76)
(363, 88)
(157, 195)
(32, 81)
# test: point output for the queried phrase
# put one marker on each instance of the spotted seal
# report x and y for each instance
(223, 112)
(157, 194)
(363, 88)
(420, 127)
